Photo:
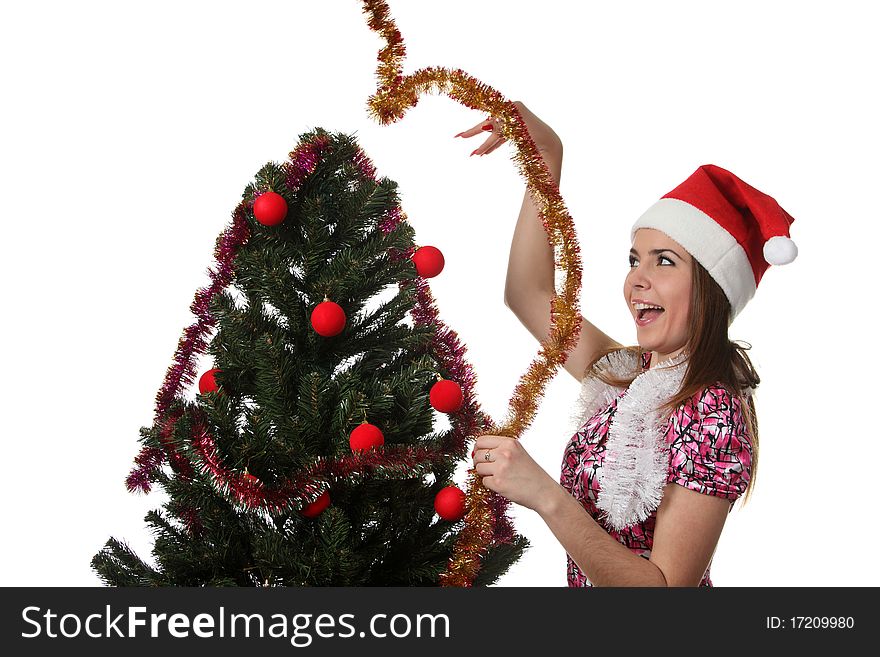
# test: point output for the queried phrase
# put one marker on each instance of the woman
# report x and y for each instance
(668, 438)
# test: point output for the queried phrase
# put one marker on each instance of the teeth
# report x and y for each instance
(644, 306)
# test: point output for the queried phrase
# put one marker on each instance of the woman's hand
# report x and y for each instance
(542, 134)
(511, 472)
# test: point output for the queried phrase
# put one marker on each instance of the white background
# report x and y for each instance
(130, 130)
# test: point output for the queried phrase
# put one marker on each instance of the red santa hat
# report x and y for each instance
(728, 226)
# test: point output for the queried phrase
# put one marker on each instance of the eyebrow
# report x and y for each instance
(656, 252)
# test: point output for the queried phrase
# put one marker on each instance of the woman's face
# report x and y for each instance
(659, 275)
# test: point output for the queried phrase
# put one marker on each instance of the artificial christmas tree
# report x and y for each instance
(309, 455)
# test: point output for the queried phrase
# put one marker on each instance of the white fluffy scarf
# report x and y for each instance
(636, 464)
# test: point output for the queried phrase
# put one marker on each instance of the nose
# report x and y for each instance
(638, 277)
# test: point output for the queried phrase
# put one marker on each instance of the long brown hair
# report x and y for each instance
(712, 358)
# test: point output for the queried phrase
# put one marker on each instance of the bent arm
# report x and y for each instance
(601, 557)
(530, 266)
(530, 285)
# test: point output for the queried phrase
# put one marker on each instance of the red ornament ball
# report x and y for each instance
(366, 436)
(446, 396)
(316, 508)
(207, 383)
(270, 208)
(328, 319)
(429, 261)
(450, 503)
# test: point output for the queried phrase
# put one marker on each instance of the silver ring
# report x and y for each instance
(487, 455)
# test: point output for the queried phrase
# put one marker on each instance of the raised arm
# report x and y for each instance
(529, 286)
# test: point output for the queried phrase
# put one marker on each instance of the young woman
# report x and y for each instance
(669, 437)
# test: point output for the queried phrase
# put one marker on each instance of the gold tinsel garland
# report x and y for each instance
(396, 93)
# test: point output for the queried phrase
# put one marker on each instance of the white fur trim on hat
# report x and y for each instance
(708, 243)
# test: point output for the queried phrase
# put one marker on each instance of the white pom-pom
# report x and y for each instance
(780, 250)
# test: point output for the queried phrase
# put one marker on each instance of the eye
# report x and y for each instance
(633, 260)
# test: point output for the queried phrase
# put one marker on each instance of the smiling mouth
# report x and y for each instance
(646, 316)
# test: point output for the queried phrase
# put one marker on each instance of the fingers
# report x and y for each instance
(488, 441)
(479, 456)
(494, 446)
(483, 126)
(493, 147)
(494, 140)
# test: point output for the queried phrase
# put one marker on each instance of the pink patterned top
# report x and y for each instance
(709, 452)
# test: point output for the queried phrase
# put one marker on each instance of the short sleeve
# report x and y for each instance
(710, 449)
